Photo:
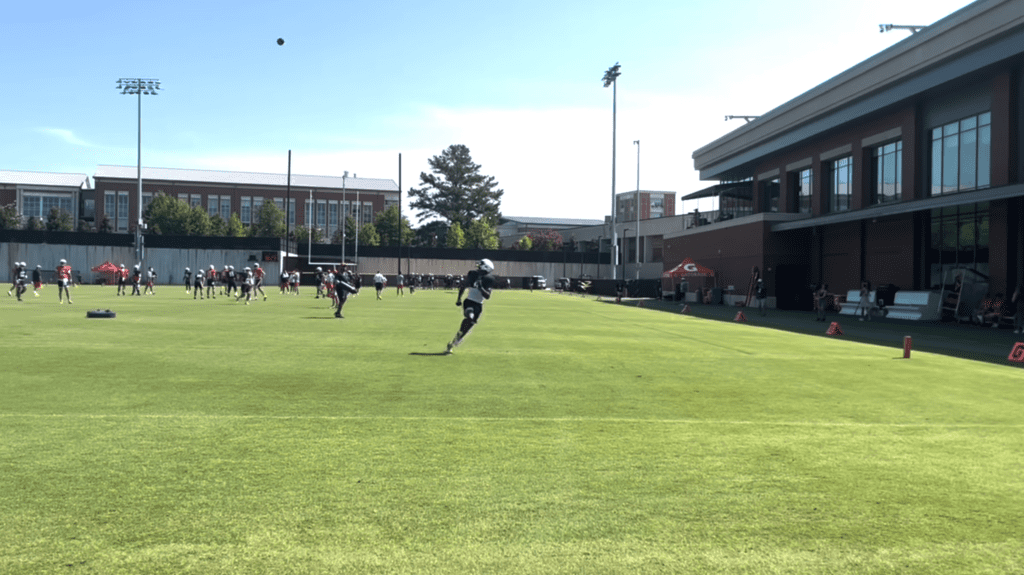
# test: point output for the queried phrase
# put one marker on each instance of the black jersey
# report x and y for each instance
(480, 285)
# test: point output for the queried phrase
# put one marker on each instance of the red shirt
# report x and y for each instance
(64, 272)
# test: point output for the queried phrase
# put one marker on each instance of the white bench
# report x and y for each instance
(915, 305)
(852, 304)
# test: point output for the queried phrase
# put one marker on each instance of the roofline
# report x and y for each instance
(918, 63)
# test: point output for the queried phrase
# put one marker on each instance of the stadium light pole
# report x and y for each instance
(637, 142)
(344, 217)
(610, 76)
(139, 87)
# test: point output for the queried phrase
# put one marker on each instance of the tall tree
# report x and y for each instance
(59, 220)
(481, 234)
(432, 234)
(167, 215)
(387, 225)
(268, 222)
(9, 217)
(456, 190)
(369, 235)
(456, 237)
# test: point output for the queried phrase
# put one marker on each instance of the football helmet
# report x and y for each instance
(485, 265)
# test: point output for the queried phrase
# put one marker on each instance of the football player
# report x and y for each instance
(479, 283)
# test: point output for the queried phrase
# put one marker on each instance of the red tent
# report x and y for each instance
(107, 269)
(687, 270)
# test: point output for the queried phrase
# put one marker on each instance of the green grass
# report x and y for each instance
(565, 436)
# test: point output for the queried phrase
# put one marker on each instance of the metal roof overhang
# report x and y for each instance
(884, 210)
(742, 190)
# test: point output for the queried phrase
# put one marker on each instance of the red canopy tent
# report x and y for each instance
(107, 269)
(686, 270)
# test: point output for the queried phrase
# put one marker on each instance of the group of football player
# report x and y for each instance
(19, 284)
(240, 284)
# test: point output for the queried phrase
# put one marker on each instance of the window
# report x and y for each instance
(368, 213)
(770, 191)
(840, 184)
(195, 200)
(257, 203)
(110, 206)
(291, 211)
(803, 183)
(122, 211)
(959, 238)
(888, 173)
(147, 198)
(246, 212)
(183, 197)
(308, 214)
(321, 213)
(962, 155)
(213, 205)
(225, 208)
(332, 217)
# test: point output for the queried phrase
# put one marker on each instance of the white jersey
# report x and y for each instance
(379, 279)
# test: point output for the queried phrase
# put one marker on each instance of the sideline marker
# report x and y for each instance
(1017, 353)
(834, 329)
(740, 317)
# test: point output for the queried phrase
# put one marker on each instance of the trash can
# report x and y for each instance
(716, 296)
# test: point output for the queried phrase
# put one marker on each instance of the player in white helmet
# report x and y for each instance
(64, 280)
(479, 283)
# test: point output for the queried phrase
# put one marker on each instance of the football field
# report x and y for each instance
(566, 435)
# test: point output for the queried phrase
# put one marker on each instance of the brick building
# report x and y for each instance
(320, 200)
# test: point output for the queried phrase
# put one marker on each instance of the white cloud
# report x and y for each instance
(67, 136)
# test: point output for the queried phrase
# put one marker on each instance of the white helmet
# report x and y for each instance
(485, 265)
(62, 262)
(256, 265)
(319, 269)
(188, 270)
(231, 267)
(247, 269)
(211, 267)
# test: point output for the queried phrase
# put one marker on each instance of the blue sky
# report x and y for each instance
(357, 83)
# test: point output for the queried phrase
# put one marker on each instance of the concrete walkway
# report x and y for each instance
(947, 338)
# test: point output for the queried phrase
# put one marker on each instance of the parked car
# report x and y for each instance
(563, 284)
(540, 282)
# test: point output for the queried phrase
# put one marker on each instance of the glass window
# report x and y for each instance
(321, 213)
(110, 206)
(959, 238)
(122, 211)
(225, 208)
(31, 206)
(246, 211)
(803, 184)
(367, 213)
(195, 200)
(183, 197)
(888, 173)
(840, 180)
(962, 155)
(213, 205)
(770, 191)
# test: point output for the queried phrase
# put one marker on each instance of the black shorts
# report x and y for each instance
(472, 310)
(379, 286)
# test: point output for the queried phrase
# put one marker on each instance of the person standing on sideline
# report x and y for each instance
(197, 285)
(319, 277)
(400, 284)
(150, 280)
(864, 306)
(37, 280)
(379, 281)
(761, 294)
(479, 282)
(821, 299)
(188, 280)
(63, 280)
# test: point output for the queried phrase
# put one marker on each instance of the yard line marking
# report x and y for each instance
(837, 424)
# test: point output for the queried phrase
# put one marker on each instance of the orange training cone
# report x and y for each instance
(740, 316)
(834, 329)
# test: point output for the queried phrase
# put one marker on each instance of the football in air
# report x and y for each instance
(280, 41)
